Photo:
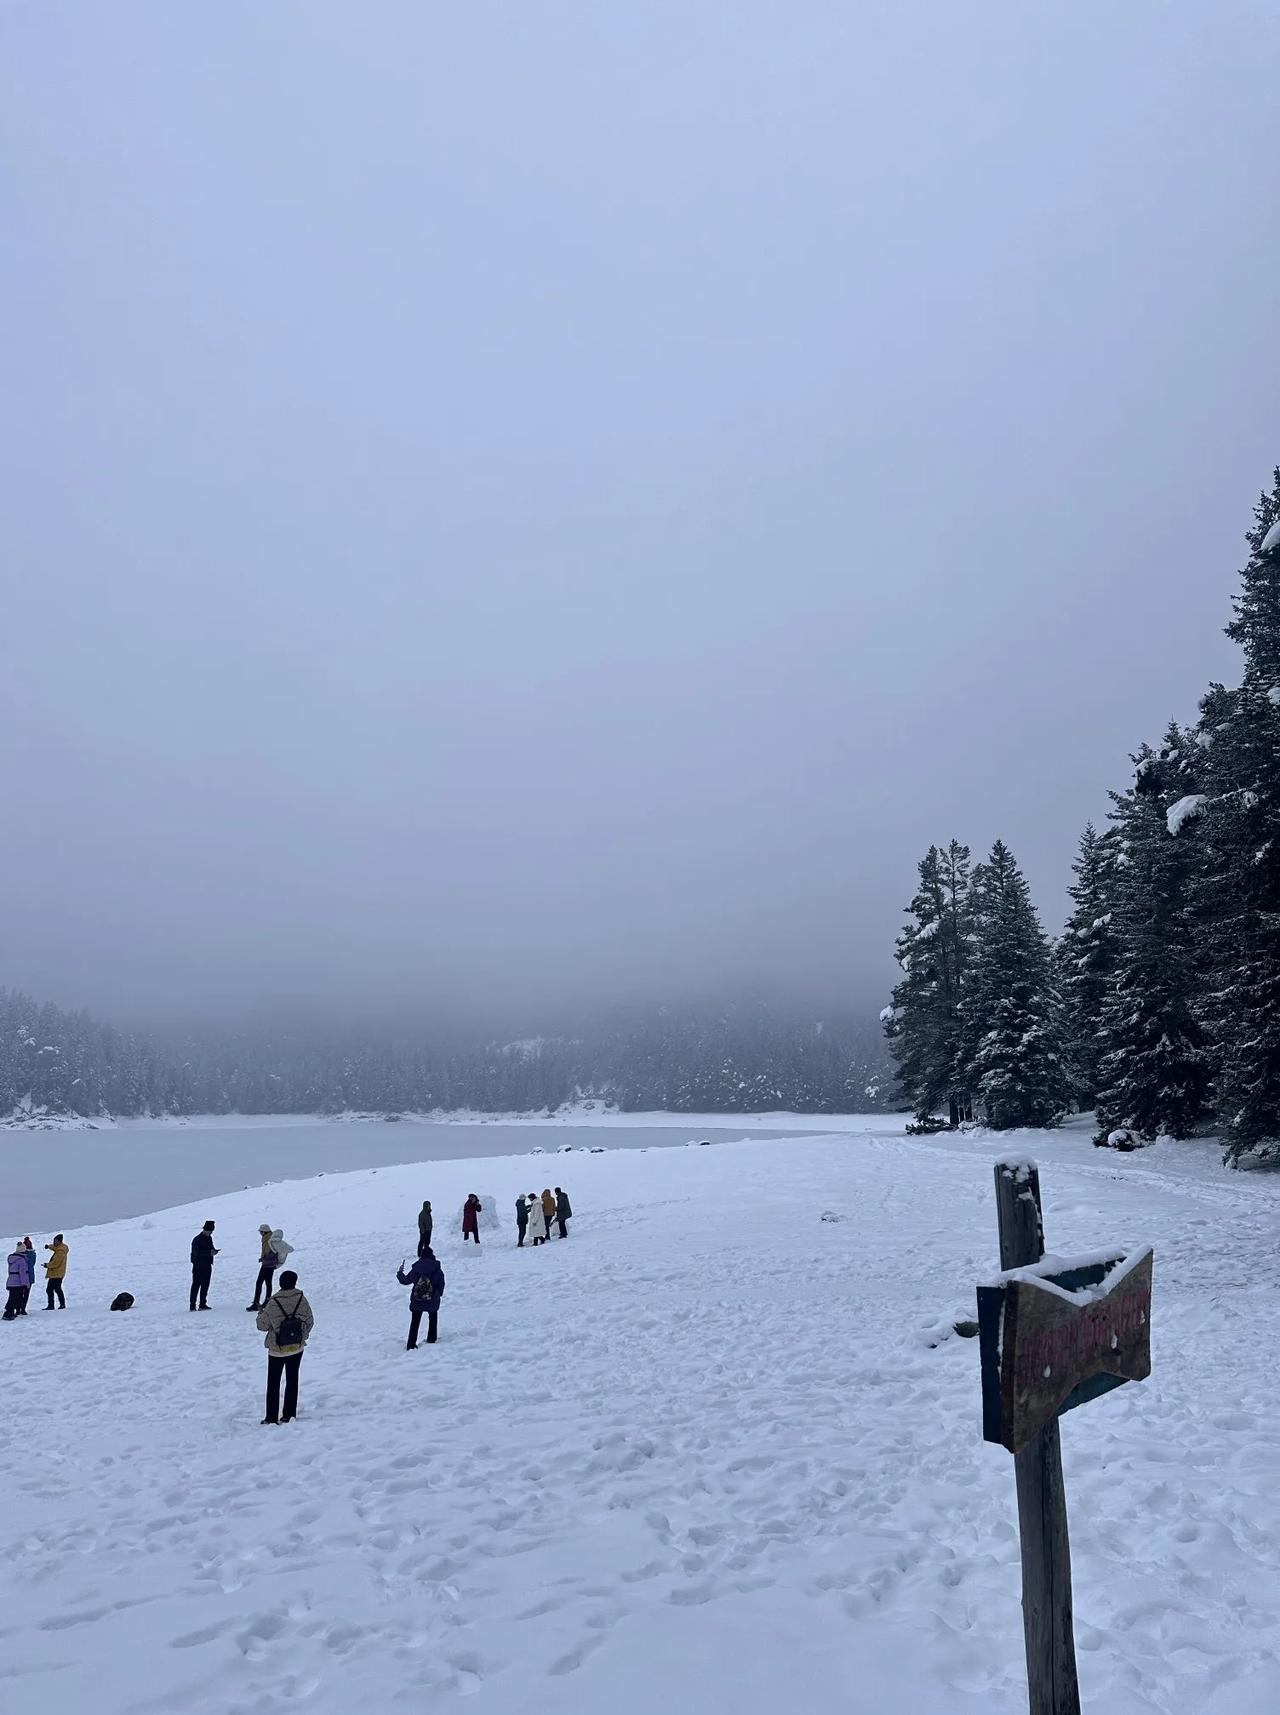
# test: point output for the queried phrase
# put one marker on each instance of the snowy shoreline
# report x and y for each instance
(577, 1114)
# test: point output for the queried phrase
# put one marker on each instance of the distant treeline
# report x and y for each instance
(734, 1059)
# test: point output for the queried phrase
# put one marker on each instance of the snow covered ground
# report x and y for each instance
(700, 1457)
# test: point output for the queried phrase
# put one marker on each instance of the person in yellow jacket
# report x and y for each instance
(549, 1208)
(55, 1271)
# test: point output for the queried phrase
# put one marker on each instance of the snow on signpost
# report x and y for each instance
(1053, 1334)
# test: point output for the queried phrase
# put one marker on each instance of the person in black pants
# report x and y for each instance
(426, 1280)
(287, 1321)
(425, 1222)
(563, 1211)
(203, 1251)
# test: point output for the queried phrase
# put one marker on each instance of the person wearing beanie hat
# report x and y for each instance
(16, 1281)
(287, 1321)
(537, 1220)
(426, 1278)
(268, 1263)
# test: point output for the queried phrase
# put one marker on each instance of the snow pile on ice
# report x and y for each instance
(697, 1457)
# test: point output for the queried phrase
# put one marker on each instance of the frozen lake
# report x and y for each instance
(62, 1179)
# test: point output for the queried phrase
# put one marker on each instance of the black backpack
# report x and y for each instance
(291, 1331)
(424, 1291)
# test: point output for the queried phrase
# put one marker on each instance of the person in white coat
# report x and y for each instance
(537, 1220)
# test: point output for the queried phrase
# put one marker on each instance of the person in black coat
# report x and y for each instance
(424, 1229)
(203, 1251)
(426, 1280)
(563, 1211)
(522, 1221)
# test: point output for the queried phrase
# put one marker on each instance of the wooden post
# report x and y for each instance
(1047, 1624)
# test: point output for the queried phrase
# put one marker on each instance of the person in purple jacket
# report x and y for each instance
(18, 1282)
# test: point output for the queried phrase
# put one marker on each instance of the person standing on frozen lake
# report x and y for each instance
(471, 1219)
(203, 1251)
(16, 1282)
(55, 1271)
(564, 1211)
(548, 1207)
(537, 1220)
(522, 1221)
(425, 1224)
(287, 1321)
(426, 1278)
(31, 1266)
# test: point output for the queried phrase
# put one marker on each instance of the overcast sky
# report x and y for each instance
(515, 504)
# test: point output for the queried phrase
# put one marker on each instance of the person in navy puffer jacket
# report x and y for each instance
(426, 1282)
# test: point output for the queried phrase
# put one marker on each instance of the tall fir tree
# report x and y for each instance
(1086, 958)
(1239, 736)
(1155, 1065)
(923, 1020)
(1011, 1048)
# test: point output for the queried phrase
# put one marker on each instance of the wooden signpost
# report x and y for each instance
(1052, 1337)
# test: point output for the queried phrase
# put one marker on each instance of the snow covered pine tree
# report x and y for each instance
(1086, 959)
(1011, 1042)
(1154, 1062)
(1239, 739)
(923, 1020)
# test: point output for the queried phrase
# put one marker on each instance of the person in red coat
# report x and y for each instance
(471, 1219)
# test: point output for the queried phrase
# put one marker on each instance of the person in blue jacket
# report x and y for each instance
(426, 1282)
